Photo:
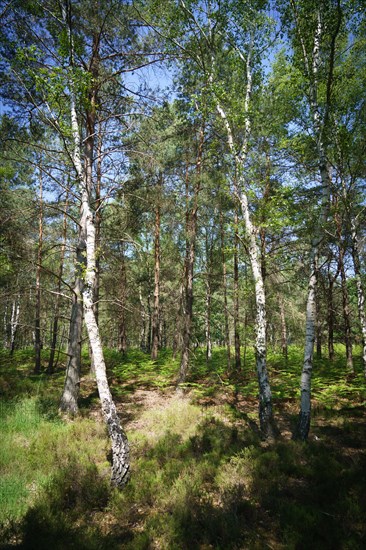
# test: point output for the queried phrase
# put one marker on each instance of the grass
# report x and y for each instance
(201, 476)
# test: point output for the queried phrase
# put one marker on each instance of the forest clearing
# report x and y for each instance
(182, 274)
(202, 477)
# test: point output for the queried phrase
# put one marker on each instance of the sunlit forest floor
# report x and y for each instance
(201, 476)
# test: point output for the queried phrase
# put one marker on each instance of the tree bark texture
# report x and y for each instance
(122, 332)
(120, 447)
(283, 327)
(70, 394)
(51, 361)
(345, 297)
(236, 297)
(224, 287)
(360, 289)
(156, 310)
(191, 230)
(303, 426)
(37, 327)
(266, 419)
(320, 119)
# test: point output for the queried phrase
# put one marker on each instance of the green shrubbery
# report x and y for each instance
(201, 477)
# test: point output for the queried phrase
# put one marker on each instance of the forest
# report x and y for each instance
(182, 274)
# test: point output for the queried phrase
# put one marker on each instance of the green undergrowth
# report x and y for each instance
(201, 476)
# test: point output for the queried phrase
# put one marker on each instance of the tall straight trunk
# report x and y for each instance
(320, 119)
(330, 318)
(360, 289)
(143, 318)
(56, 315)
(120, 447)
(303, 425)
(156, 310)
(236, 297)
(122, 329)
(268, 428)
(91, 119)
(70, 394)
(191, 229)
(283, 327)
(37, 327)
(14, 323)
(208, 299)
(208, 322)
(149, 329)
(224, 287)
(266, 420)
(346, 314)
(345, 297)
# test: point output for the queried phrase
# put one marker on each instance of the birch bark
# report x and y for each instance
(120, 447)
(266, 420)
(320, 129)
(360, 289)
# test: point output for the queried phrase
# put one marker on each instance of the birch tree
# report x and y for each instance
(316, 30)
(222, 41)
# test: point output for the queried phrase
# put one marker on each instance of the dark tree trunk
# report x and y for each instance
(191, 229)
(156, 311)
(51, 362)
(236, 297)
(345, 297)
(37, 327)
(330, 318)
(69, 398)
(224, 285)
(208, 300)
(122, 330)
(283, 327)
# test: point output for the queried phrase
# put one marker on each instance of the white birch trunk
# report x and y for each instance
(120, 447)
(265, 396)
(14, 322)
(303, 425)
(266, 420)
(320, 128)
(360, 290)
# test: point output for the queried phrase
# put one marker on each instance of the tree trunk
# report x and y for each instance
(122, 329)
(156, 312)
(320, 127)
(236, 297)
(188, 308)
(345, 297)
(283, 327)
(360, 289)
(37, 328)
(208, 322)
(224, 285)
(303, 425)
(208, 299)
(51, 361)
(120, 448)
(143, 316)
(191, 229)
(69, 398)
(14, 322)
(266, 420)
(330, 317)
